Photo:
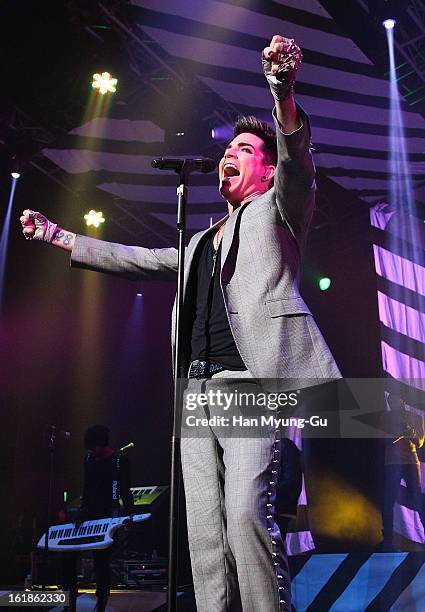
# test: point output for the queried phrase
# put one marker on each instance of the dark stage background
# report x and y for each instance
(78, 348)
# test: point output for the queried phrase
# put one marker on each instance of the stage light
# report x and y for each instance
(94, 218)
(104, 82)
(16, 165)
(324, 283)
(389, 23)
(139, 294)
(222, 132)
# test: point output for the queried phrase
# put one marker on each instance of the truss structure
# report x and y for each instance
(154, 71)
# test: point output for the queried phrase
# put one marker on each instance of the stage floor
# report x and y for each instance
(350, 582)
(353, 582)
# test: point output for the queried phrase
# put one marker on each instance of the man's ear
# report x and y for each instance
(269, 172)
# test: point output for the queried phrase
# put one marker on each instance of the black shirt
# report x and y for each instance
(99, 475)
(212, 339)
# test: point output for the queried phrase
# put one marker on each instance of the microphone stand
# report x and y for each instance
(182, 167)
(52, 448)
(183, 172)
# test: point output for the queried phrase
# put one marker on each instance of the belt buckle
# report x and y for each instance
(204, 369)
(197, 369)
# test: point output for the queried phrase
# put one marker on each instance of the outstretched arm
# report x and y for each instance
(132, 262)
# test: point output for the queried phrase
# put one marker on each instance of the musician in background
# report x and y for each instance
(106, 480)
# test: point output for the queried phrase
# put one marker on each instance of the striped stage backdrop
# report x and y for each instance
(369, 582)
(400, 270)
(217, 45)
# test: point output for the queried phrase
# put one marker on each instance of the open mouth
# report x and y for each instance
(229, 170)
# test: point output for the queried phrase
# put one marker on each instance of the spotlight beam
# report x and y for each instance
(4, 238)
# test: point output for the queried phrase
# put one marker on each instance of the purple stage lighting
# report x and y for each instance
(222, 132)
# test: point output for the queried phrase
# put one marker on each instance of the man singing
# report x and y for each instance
(244, 318)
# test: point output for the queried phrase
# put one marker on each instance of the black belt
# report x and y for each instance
(204, 369)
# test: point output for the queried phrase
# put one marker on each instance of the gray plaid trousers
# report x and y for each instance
(237, 553)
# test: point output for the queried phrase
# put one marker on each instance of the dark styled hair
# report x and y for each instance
(252, 125)
(96, 435)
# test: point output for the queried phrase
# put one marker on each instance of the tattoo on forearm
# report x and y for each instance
(63, 237)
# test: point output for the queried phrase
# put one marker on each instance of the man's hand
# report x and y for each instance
(281, 61)
(35, 226)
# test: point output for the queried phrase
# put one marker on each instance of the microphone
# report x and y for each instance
(127, 447)
(201, 164)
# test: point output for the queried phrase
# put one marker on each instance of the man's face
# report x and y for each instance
(243, 170)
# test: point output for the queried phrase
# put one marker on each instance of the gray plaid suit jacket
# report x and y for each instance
(262, 246)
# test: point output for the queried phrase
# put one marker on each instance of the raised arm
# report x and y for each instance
(132, 262)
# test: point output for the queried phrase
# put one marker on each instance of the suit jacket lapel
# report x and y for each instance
(195, 246)
(228, 235)
(231, 224)
(227, 240)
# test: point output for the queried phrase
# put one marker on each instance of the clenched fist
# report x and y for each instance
(281, 61)
(35, 226)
